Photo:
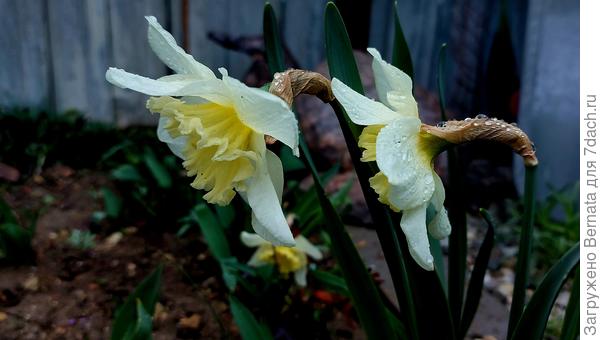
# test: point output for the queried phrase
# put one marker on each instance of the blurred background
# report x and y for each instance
(80, 163)
(515, 59)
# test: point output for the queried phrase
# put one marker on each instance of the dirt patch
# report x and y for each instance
(72, 293)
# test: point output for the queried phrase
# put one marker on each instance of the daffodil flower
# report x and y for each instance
(404, 153)
(286, 259)
(218, 128)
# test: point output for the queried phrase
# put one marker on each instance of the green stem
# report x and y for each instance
(524, 257)
(457, 242)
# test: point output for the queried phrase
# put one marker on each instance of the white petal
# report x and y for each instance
(308, 248)
(255, 260)
(413, 226)
(176, 145)
(212, 90)
(165, 47)
(439, 227)
(264, 112)
(360, 109)
(263, 196)
(394, 87)
(252, 240)
(300, 276)
(407, 169)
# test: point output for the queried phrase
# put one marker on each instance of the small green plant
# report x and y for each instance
(133, 319)
(82, 239)
(15, 239)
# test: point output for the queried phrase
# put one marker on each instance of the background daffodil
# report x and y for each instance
(286, 259)
(403, 152)
(218, 128)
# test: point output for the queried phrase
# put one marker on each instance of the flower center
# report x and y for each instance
(220, 150)
(286, 259)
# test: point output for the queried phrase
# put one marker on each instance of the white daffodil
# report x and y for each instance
(393, 138)
(218, 128)
(286, 259)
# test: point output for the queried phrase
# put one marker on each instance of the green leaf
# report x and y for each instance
(213, 231)
(438, 261)
(226, 215)
(289, 161)
(339, 50)
(401, 54)
(525, 245)
(273, 46)
(126, 172)
(147, 293)
(6, 213)
(158, 171)
(477, 276)
(331, 282)
(112, 203)
(142, 328)
(250, 328)
(532, 322)
(441, 77)
(15, 244)
(570, 329)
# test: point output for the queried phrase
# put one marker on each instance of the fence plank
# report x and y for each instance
(24, 64)
(130, 51)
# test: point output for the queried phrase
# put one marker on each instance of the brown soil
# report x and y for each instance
(72, 293)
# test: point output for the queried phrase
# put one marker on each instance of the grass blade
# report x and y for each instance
(250, 328)
(158, 171)
(524, 257)
(147, 292)
(570, 329)
(401, 54)
(477, 276)
(533, 322)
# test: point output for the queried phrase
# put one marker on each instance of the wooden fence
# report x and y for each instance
(54, 53)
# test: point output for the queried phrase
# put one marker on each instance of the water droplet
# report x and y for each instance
(513, 124)
(481, 116)
(507, 130)
(475, 124)
(488, 123)
(494, 119)
(503, 125)
(533, 147)
(441, 124)
(467, 119)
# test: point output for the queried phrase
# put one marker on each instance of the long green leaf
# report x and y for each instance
(147, 292)
(273, 46)
(331, 281)
(112, 203)
(533, 322)
(570, 329)
(6, 213)
(158, 171)
(250, 328)
(401, 54)
(477, 276)
(142, 328)
(365, 296)
(339, 50)
(524, 257)
(441, 78)
(213, 231)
